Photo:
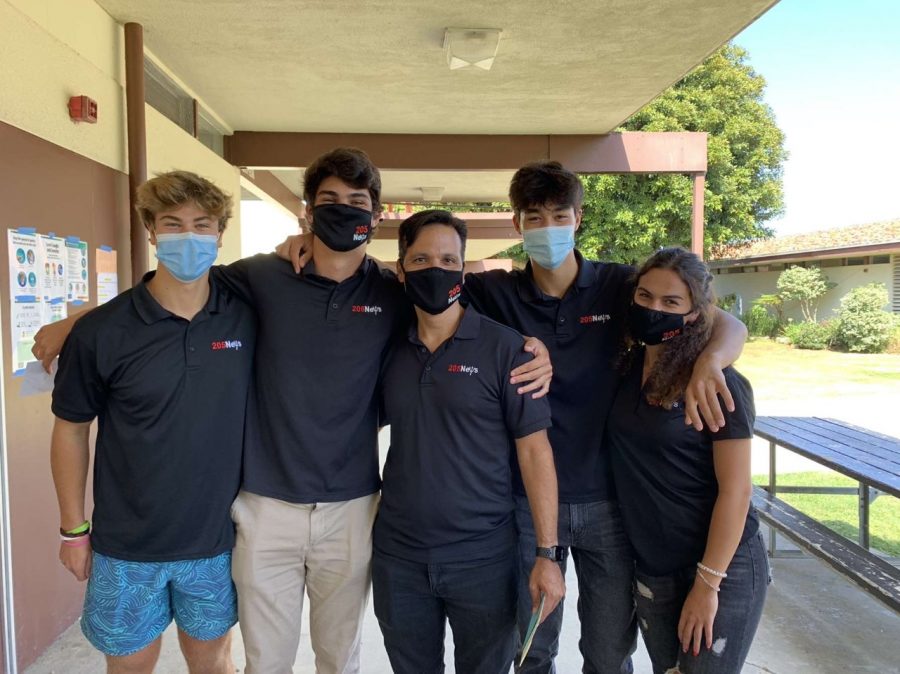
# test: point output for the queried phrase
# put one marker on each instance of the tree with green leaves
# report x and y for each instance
(628, 217)
(804, 285)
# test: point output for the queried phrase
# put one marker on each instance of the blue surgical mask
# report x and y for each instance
(187, 256)
(549, 246)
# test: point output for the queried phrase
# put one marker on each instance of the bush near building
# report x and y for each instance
(863, 326)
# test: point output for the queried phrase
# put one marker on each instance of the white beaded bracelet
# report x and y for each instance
(708, 584)
(713, 572)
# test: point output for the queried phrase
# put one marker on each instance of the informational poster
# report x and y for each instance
(77, 282)
(26, 321)
(24, 282)
(107, 275)
(52, 268)
(53, 311)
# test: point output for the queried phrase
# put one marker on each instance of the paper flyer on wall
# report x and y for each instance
(25, 320)
(24, 281)
(52, 268)
(107, 275)
(77, 283)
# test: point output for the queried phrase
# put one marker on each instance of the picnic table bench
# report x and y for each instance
(870, 458)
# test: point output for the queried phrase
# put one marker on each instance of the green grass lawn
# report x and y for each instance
(780, 372)
(840, 512)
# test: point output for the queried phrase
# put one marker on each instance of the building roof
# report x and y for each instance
(869, 238)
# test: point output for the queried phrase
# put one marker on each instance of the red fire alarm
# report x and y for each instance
(83, 109)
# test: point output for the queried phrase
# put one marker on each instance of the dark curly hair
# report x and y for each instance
(672, 370)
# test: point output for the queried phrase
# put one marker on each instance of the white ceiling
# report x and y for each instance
(403, 186)
(377, 66)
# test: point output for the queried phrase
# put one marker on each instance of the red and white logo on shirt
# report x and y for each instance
(463, 369)
(594, 318)
(225, 344)
(365, 309)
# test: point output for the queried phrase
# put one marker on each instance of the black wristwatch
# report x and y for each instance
(554, 553)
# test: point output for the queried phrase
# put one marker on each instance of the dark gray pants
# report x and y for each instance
(659, 600)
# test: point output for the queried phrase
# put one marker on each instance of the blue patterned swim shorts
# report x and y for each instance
(129, 604)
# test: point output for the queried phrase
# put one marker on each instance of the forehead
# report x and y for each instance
(664, 282)
(549, 207)
(335, 184)
(437, 237)
(186, 211)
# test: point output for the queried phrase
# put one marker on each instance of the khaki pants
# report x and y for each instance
(285, 549)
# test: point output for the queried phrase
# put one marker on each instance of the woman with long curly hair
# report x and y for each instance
(701, 569)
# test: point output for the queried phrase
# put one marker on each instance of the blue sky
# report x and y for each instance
(833, 74)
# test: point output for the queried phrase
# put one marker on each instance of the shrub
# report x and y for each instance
(808, 335)
(806, 286)
(894, 342)
(862, 324)
(759, 322)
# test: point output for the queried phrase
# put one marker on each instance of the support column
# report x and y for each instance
(137, 144)
(699, 182)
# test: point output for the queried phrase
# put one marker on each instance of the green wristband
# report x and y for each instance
(80, 529)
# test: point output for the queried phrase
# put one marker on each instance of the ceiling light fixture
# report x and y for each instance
(471, 47)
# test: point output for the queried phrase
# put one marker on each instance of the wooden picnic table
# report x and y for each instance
(870, 458)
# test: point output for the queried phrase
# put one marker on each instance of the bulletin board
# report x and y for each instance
(68, 207)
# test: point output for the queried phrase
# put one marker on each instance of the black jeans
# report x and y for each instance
(413, 601)
(604, 565)
(659, 600)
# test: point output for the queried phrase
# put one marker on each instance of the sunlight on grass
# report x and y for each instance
(840, 512)
(780, 372)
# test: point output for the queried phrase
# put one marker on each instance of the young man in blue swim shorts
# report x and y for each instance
(165, 368)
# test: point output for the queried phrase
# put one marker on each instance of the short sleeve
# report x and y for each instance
(523, 414)
(79, 393)
(237, 276)
(738, 424)
(473, 292)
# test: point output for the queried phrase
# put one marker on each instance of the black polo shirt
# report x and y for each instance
(170, 397)
(582, 332)
(664, 473)
(454, 418)
(312, 426)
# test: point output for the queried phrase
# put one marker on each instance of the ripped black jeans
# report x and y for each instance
(659, 600)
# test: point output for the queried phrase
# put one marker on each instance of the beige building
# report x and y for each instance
(848, 256)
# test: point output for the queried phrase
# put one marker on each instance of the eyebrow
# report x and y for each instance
(177, 219)
(332, 193)
(665, 297)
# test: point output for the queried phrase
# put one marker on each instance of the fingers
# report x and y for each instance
(294, 255)
(683, 631)
(697, 638)
(707, 630)
(305, 257)
(727, 397)
(691, 413)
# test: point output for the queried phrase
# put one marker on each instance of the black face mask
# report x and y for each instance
(654, 327)
(433, 289)
(342, 227)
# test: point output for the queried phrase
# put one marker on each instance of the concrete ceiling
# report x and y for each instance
(574, 67)
(406, 186)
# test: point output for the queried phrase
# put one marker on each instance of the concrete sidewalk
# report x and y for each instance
(815, 622)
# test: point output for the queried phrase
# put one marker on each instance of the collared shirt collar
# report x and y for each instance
(469, 327)
(310, 270)
(530, 292)
(152, 311)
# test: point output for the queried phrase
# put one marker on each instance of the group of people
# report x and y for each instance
(570, 408)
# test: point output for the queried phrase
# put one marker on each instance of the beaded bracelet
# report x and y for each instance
(712, 572)
(708, 584)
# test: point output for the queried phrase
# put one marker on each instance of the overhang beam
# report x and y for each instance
(628, 152)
